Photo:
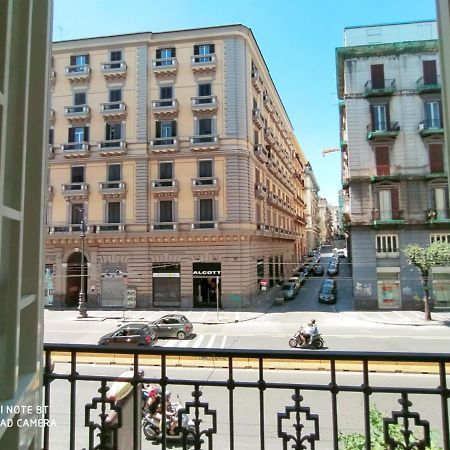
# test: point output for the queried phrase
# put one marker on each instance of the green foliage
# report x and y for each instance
(356, 441)
(424, 258)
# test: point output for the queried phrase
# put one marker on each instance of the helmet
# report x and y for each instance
(152, 391)
(310, 323)
(168, 394)
(140, 373)
(313, 321)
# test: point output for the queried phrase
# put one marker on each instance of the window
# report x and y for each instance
(256, 136)
(380, 117)
(433, 114)
(203, 49)
(439, 202)
(444, 238)
(76, 213)
(429, 72)
(436, 157)
(206, 210)
(388, 204)
(165, 92)
(205, 168)
(165, 170)
(113, 131)
(115, 95)
(204, 90)
(78, 135)
(377, 76)
(165, 211)
(205, 125)
(79, 60)
(164, 56)
(51, 136)
(77, 174)
(79, 98)
(387, 245)
(166, 130)
(113, 212)
(115, 55)
(382, 160)
(114, 172)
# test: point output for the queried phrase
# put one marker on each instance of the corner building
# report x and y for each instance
(394, 170)
(176, 149)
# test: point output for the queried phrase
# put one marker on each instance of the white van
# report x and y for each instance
(342, 252)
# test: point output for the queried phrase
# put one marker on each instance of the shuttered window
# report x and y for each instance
(382, 160)
(377, 76)
(436, 157)
(429, 72)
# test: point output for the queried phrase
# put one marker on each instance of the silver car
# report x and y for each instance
(172, 325)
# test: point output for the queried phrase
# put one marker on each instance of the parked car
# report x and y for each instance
(342, 252)
(333, 268)
(172, 325)
(289, 290)
(296, 280)
(328, 291)
(307, 269)
(130, 334)
(318, 270)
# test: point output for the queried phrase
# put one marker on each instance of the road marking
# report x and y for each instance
(198, 341)
(222, 345)
(211, 340)
(184, 343)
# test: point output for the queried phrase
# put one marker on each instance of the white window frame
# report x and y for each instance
(439, 237)
(384, 241)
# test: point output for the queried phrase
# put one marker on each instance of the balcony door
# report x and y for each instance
(113, 131)
(380, 117)
(165, 211)
(382, 160)
(429, 72)
(113, 212)
(205, 126)
(165, 170)
(436, 157)
(440, 202)
(206, 212)
(377, 76)
(433, 114)
(76, 213)
(385, 201)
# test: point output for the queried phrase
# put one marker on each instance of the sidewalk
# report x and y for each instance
(411, 318)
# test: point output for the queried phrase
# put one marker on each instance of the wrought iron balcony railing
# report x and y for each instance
(386, 87)
(424, 86)
(305, 411)
(382, 129)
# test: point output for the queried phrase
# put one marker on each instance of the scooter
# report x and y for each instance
(296, 341)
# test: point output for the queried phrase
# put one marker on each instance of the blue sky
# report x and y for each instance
(297, 39)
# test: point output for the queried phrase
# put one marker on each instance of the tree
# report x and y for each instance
(437, 254)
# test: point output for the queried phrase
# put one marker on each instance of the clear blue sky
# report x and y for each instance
(297, 39)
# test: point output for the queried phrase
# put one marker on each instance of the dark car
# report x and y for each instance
(172, 325)
(130, 334)
(328, 291)
(318, 270)
(333, 268)
(289, 290)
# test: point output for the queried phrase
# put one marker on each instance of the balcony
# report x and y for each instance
(112, 189)
(164, 145)
(51, 151)
(381, 89)
(430, 127)
(262, 153)
(382, 130)
(165, 187)
(205, 186)
(205, 224)
(113, 147)
(108, 227)
(260, 190)
(268, 104)
(164, 226)
(269, 135)
(273, 166)
(206, 104)
(256, 81)
(272, 199)
(203, 64)
(77, 113)
(52, 116)
(204, 142)
(80, 73)
(75, 191)
(437, 216)
(64, 228)
(257, 118)
(428, 87)
(387, 217)
(75, 149)
(114, 70)
(165, 108)
(113, 110)
(164, 67)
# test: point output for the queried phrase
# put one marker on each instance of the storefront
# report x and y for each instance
(206, 282)
(388, 288)
(166, 284)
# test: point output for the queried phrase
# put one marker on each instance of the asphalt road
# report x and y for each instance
(247, 406)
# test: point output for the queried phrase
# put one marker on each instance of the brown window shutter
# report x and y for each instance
(72, 60)
(388, 117)
(382, 160)
(70, 135)
(212, 48)
(429, 72)
(395, 204)
(436, 156)
(377, 73)
(196, 49)
(87, 59)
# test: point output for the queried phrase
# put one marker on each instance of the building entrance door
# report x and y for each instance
(206, 282)
(74, 278)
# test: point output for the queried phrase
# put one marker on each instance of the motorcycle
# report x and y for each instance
(316, 343)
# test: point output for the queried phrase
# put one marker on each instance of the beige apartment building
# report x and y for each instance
(176, 152)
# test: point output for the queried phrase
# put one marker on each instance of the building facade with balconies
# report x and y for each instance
(393, 166)
(177, 150)
(312, 209)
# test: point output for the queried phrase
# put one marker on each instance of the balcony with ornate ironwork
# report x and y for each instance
(113, 110)
(382, 130)
(431, 127)
(165, 187)
(205, 104)
(112, 189)
(204, 64)
(112, 147)
(387, 217)
(385, 88)
(114, 70)
(437, 216)
(164, 67)
(75, 191)
(77, 113)
(428, 86)
(204, 142)
(164, 145)
(75, 149)
(262, 153)
(166, 108)
(79, 73)
(205, 186)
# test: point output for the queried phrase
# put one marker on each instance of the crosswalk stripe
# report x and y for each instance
(211, 340)
(184, 343)
(224, 339)
(198, 341)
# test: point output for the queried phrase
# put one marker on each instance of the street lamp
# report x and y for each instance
(82, 310)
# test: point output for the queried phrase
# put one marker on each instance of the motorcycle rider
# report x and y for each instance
(307, 335)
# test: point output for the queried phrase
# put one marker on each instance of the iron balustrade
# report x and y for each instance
(291, 429)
